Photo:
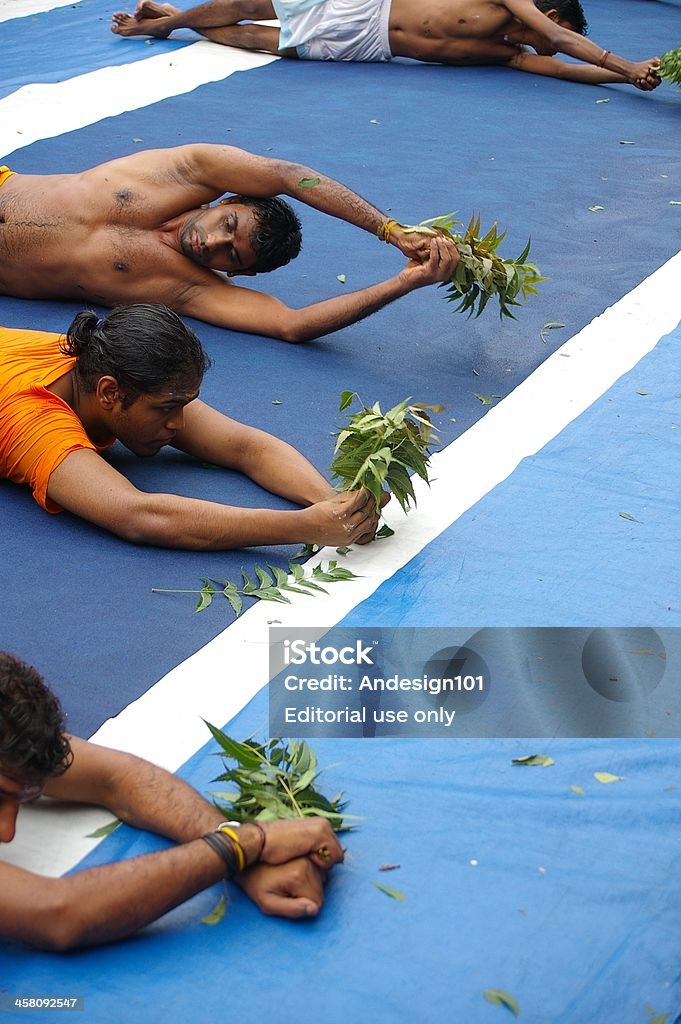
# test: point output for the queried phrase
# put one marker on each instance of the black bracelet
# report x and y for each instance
(223, 846)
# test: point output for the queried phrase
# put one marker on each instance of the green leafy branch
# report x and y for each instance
(481, 273)
(272, 585)
(275, 780)
(670, 67)
(377, 450)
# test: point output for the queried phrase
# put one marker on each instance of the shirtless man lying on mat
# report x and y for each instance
(459, 32)
(140, 229)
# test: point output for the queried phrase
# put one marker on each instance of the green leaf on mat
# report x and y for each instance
(105, 830)
(607, 777)
(502, 998)
(395, 894)
(217, 913)
(542, 760)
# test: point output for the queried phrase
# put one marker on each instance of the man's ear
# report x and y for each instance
(108, 393)
(226, 200)
(553, 14)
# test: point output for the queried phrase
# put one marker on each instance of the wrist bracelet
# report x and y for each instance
(383, 233)
(225, 830)
(604, 57)
(224, 849)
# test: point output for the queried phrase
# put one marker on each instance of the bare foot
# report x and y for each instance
(130, 25)
(150, 9)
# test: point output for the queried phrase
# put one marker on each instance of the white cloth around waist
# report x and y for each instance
(355, 30)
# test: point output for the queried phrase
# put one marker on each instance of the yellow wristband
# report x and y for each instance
(383, 233)
(238, 849)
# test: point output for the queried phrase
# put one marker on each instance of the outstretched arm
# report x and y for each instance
(554, 68)
(86, 485)
(242, 309)
(221, 169)
(574, 44)
(107, 903)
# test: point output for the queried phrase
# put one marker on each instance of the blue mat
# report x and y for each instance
(531, 186)
(512, 881)
(70, 41)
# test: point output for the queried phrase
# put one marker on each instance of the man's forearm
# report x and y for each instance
(107, 903)
(281, 469)
(331, 315)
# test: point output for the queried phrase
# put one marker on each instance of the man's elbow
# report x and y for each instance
(294, 327)
(59, 927)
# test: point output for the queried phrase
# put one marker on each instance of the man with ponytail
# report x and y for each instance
(141, 229)
(135, 377)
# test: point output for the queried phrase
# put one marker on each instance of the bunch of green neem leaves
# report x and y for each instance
(670, 66)
(377, 450)
(481, 273)
(275, 779)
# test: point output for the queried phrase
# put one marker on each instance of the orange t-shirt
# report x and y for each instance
(37, 429)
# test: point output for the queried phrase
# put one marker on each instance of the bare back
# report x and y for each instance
(450, 31)
(97, 235)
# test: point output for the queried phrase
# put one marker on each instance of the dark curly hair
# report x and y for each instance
(277, 237)
(33, 747)
(568, 10)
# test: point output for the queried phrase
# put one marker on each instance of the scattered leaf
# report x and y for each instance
(275, 401)
(594, 209)
(675, 202)
(660, 1019)
(395, 894)
(389, 867)
(268, 587)
(550, 325)
(105, 830)
(343, 550)
(577, 790)
(626, 515)
(217, 913)
(308, 182)
(374, 120)
(138, 140)
(542, 760)
(384, 532)
(640, 391)
(607, 777)
(602, 101)
(501, 998)
(341, 278)
(486, 399)
(626, 142)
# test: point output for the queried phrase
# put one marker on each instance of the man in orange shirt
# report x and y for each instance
(135, 377)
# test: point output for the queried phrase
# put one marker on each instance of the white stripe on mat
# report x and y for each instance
(23, 8)
(220, 679)
(44, 111)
